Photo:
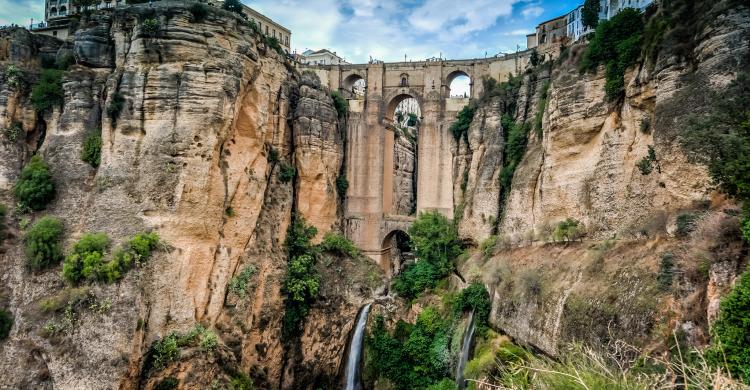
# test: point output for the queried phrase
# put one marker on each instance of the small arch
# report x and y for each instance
(63, 11)
(459, 84)
(355, 84)
(396, 252)
(53, 11)
(404, 80)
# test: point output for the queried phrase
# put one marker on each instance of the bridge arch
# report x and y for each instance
(355, 84)
(396, 250)
(458, 80)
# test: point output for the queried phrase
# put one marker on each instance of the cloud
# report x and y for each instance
(532, 12)
(21, 11)
(466, 17)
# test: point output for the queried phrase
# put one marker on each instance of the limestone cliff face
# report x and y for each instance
(209, 117)
(584, 167)
(404, 173)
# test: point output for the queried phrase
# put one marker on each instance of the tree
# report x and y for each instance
(590, 13)
(35, 189)
(731, 341)
(233, 6)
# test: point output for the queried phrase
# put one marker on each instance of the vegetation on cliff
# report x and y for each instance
(436, 244)
(87, 261)
(44, 244)
(48, 92)
(35, 189)
(302, 281)
(731, 338)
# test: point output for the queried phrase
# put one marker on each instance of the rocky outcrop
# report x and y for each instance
(198, 121)
(404, 172)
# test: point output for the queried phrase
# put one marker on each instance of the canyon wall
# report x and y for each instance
(209, 116)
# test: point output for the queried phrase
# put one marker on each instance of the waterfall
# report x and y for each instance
(465, 350)
(353, 363)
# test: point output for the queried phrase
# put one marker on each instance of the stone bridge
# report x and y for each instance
(374, 91)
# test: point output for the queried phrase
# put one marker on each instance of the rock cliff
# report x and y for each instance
(201, 124)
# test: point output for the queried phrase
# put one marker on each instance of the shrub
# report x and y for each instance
(164, 352)
(515, 147)
(233, 6)
(273, 155)
(168, 383)
(335, 242)
(13, 132)
(568, 230)
(340, 104)
(86, 262)
(666, 271)
(43, 247)
(731, 339)
(746, 229)
(199, 11)
(239, 284)
(477, 298)
(342, 185)
(274, 44)
(241, 381)
(535, 59)
(487, 247)
(150, 27)
(115, 107)
(92, 149)
(6, 323)
(286, 172)
(14, 77)
(590, 13)
(302, 282)
(445, 384)
(35, 189)
(460, 127)
(48, 91)
(646, 164)
(685, 224)
(538, 119)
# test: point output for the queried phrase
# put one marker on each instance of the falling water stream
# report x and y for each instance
(353, 363)
(465, 350)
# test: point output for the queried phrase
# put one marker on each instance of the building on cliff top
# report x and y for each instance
(58, 16)
(321, 57)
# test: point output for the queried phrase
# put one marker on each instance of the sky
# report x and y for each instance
(386, 30)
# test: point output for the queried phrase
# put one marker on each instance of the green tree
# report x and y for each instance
(302, 282)
(48, 91)
(35, 188)
(87, 258)
(590, 13)
(233, 6)
(43, 243)
(731, 341)
(91, 152)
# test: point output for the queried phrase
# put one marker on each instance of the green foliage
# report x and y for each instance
(167, 350)
(115, 107)
(274, 44)
(43, 244)
(666, 271)
(199, 11)
(568, 230)
(685, 223)
(746, 229)
(340, 103)
(87, 261)
(731, 339)
(617, 44)
(487, 247)
(515, 148)
(646, 165)
(721, 138)
(92, 149)
(48, 91)
(286, 172)
(164, 352)
(541, 110)
(273, 155)
(463, 120)
(6, 323)
(14, 77)
(342, 185)
(13, 132)
(302, 282)
(65, 61)
(168, 383)
(436, 244)
(233, 6)
(476, 298)
(445, 384)
(150, 27)
(239, 284)
(335, 242)
(241, 381)
(535, 58)
(590, 13)
(35, 189)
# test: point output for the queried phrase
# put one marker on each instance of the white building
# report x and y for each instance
(321, 57)
(575, 24)
(610, 8)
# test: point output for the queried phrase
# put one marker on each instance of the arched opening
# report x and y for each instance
(63, 11)
(400, 156)
(53, 11)
(396, 252)
(404, 80)
(355, 86)
(459, 85)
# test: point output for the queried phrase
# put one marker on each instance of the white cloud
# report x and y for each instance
(21, 11)
(532, 12)
(461, 18)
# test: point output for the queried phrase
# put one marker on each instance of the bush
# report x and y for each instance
(340, 103)
(35, 189)
(731, 339)
(150, 27)
(241, 381)
(666, 271)
(685, 224)
(746, 229)
(164, 352)
(6, 323)
(167, 350)
(445, 384)
(43, 246)
(460, 127)
(239, 284)
(646, 164)
(199, 11)
(168, 383)
(86, 262)
(342, 185)
(568, 230)
(335, 242)
(487, 247)
(48, 91)
(92, 149)
(286, 172)
(14, 78)
(302, 282)
(274, 44)
(233, 6)
(115, 107)
(538, 119)
(590, 13)
(13, 132)
(476, 298)
(515, 147)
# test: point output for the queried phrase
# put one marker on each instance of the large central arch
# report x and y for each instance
(395, 252)
(400, 155)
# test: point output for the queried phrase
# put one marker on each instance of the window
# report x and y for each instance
(266, 30)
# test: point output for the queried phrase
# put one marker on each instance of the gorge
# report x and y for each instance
(198, 211)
